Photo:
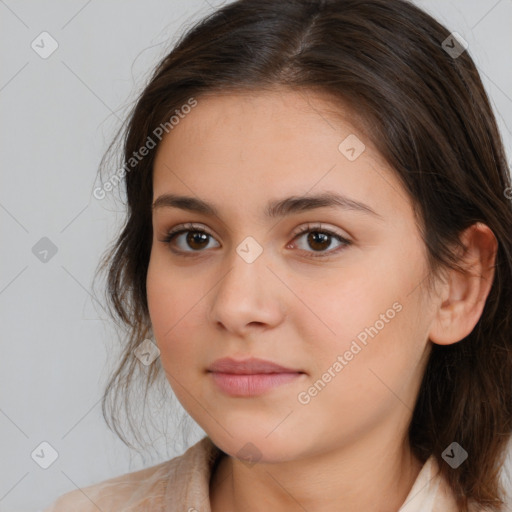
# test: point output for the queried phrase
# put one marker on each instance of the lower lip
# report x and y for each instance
(251, 385)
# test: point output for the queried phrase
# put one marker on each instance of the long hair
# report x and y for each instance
(416, 93)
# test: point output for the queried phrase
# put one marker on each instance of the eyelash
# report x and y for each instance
(185, 228)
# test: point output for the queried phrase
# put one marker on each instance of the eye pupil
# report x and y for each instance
(193, 236)
(313, 240)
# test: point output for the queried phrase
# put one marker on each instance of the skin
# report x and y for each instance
(347, 448)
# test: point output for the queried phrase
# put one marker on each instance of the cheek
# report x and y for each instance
(355, 384)
(168, 291)
(160, 296)
(165, 296)
(176, 312)
(345, 307)
(372, 321)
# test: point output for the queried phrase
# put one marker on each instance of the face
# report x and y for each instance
(333, 291)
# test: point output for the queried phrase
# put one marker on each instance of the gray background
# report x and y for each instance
(57, 116)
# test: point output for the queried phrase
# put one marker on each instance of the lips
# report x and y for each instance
(251, 377)
(250, 366)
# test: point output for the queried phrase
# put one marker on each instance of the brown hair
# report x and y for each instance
(428, 114)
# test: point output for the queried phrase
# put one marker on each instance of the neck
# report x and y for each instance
(372, 475)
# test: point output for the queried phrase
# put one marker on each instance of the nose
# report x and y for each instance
(247, 296)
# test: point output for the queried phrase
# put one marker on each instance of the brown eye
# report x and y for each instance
(320, 240)
(196, 240)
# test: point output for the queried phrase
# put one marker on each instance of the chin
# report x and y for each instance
(257, 446)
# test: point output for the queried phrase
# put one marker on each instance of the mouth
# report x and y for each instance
(250, 377)
(254, 384)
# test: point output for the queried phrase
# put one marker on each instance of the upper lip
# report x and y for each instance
(248, 366)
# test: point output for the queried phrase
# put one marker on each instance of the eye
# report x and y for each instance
(320, 239)
(197, 239)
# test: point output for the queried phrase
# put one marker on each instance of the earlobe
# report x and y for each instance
(464, 294)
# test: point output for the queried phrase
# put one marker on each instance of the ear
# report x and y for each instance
(463, 295)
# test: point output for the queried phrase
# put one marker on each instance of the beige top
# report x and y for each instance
(182, 484)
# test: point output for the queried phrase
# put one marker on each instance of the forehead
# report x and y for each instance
(277, 116)
(246, 147)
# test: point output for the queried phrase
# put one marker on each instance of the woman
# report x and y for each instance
(318, 240)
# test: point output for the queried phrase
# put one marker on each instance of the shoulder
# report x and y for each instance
(143, 490)
(445, 498)
(116, 493)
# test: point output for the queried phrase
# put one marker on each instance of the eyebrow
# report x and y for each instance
(274, 209)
